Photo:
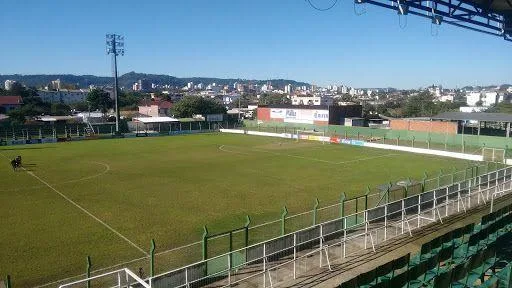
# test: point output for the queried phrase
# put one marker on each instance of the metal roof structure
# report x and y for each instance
(475, 116)
(493, 17)
(148, 120)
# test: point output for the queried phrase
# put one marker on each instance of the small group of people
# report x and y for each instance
(16, 163)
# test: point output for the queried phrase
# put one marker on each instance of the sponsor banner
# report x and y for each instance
(306, 116)
(15, 142)
(345, 141)
(324, 138)
(77, 138)
(303, 137)
(334, 140)
(277, 113)
(264, 134)
(235, 131)
(48, 140)
(313, 138)
(287, 135)
(357, 142)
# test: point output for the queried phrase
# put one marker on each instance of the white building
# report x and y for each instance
(446, 97)
(8, 84)
(288, 89)
(472, 98)
(311, 100)
(470, 109)
(487, 98)
(435, 90)
(63, 96)
(190, 85)
(228, 99)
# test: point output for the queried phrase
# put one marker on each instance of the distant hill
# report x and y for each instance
(127, 80)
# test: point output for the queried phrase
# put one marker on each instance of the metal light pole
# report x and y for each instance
(115, 46)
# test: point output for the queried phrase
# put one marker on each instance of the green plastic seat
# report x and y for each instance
(384, 272)
(415, 273)
(399, 280)
(366, 279)
(505, 276)
(457, 237)
(475, 268)
(446, 239)
(443, 280)
(352, 283)
(435, 245)
(459, 275)
(422, 255)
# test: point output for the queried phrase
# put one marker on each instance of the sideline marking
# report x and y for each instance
(83, 209)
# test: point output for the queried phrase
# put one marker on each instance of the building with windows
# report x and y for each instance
(155, 107)
(311, 100)
(8, 103)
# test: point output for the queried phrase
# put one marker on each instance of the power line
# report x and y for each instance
(322, 9)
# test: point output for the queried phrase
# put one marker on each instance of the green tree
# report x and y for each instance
(99, 100)
(16, 116)
(191, 105)
(80, 106)
(420, 105)
(59, 109)
(130, 100)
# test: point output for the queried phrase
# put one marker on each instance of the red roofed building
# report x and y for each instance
(155, 107)
(8, 103)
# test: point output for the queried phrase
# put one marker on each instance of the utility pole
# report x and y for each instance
(115, 46)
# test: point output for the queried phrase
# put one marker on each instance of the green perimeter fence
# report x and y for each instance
(214, 243)
(471, 144)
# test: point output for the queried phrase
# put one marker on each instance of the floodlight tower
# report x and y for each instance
(115, 46)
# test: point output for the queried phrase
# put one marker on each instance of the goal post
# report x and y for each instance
(493, 154)
(312, 135)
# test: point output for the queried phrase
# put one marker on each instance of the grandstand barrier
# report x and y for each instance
(337, 140)
(119, 278)
(284, 258)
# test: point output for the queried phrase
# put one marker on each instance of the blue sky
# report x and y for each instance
(256, 39)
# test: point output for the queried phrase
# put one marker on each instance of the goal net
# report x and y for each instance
(493, 155)
(313, 135)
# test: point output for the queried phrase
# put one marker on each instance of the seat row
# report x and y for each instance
(458, 258)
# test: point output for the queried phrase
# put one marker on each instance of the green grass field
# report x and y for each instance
(167, 188)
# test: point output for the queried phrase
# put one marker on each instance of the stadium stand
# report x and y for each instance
(471, 256)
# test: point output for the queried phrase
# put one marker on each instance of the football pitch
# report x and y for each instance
(109, 198)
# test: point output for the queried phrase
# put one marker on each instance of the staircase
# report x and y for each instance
(89, 130)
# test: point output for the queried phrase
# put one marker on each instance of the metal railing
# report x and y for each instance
(283, 258)
(119, 278)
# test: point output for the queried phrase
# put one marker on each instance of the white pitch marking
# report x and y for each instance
(221, 148)
(367, 158)
(83, 209)
(107, 168)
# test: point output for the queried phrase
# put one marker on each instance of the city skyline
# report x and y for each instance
(262, 40)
